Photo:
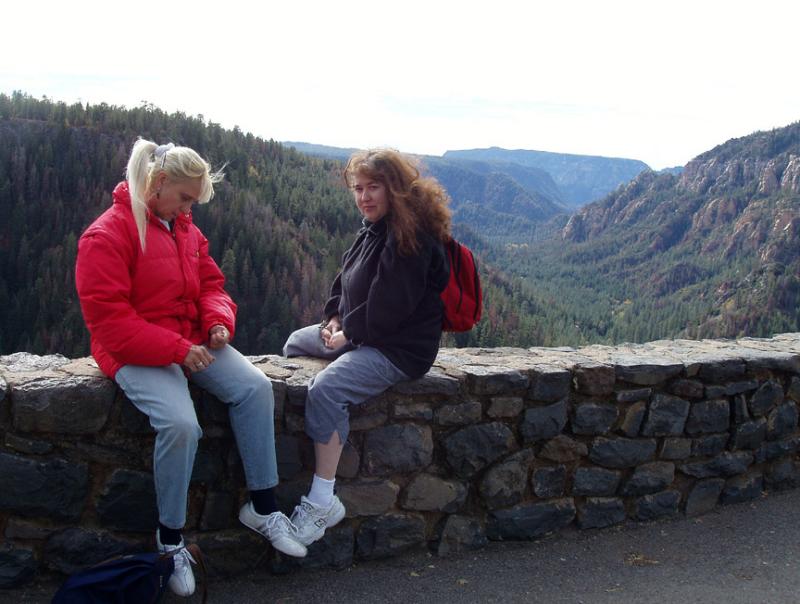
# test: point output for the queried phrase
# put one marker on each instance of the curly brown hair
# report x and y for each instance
(415, 202)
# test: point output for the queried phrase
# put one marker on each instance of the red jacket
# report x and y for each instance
(147, 308)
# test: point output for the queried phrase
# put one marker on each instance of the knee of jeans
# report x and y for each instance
(184, 430)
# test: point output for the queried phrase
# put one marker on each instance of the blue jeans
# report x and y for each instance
(355, 376)
(162, 393)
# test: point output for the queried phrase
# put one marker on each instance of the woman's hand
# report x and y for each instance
(332, 327)
(336, 341)
(197, 359)
(218, 337)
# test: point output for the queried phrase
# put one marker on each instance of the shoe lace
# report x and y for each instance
(183, 558)
(278, 522)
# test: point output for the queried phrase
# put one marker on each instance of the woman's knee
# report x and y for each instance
(183, 430)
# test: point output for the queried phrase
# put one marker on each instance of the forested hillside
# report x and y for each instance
(278, 225)
(713, 252)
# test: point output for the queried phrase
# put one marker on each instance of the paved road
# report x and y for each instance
(746, 553)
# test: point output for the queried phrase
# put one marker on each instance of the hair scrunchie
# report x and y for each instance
(161, 151)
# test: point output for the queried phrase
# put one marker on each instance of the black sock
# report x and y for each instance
(264, 501)
(169, 536)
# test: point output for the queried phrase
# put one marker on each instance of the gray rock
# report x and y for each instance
(428, 493)
(704, 496)
(3, 389)
(505, 483)
(17, 566)
(749, 435)
(621, 452)
(366, 420)
(433, 382)
(65, 405)
(209, 467)
(459, 414)
(334, 550)
(219, 511)
(544, 422)
(726, 464)
(27, 445)
(778, 448)
(461, 534)
(549, 481)
(483, 380)
(794, 390)
(287, 450)
(389, 535)
(783, 474)
(471, 449)
(740, 387)
(666, 416)
(128, 502)
(676, 448)
(594, 379)
(419, 411)
(769, 395)
(16, 528)
(562, 449)
(635, 371)
(599, 512)
(782, 421)
(722, 370)
(550, 385)
(595, 481)
(24, 362)
(739, 409)
(709, 445)
(708, 416)
(687, 388)
(657, 505)
(505, 406)
(397, 448)
(131, 419)
(742, 488)
(367, 497)
(529, 520)
(54, 489)
(649, 478)
(632, 422)
(593, 418)
(632, 396)
(74, 549)
(349, 462)
(232, 551)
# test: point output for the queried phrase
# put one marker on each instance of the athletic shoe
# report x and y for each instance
(181, 582)
(276, 527)
(312, 520)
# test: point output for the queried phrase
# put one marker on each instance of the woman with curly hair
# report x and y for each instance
(383, 320)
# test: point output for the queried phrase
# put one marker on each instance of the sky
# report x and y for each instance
(656, 81)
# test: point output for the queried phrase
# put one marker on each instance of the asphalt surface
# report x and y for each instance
(745, 553)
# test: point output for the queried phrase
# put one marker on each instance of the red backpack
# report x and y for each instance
(463, 299)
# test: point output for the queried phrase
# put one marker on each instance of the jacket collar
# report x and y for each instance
(374, 228)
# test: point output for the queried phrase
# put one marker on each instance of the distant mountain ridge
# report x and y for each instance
(581, 178)
(500, 201)
(714, 251)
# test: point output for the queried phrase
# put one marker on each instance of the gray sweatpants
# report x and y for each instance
(355, 375)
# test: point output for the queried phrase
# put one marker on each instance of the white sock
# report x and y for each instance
(321, 492)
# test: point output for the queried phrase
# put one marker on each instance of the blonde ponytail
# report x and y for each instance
(138, 176)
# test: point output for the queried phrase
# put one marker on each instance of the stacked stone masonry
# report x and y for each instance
(492, 444)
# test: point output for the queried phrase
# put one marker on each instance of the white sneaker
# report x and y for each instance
(181, 581)
(276, 527)
(312, 520)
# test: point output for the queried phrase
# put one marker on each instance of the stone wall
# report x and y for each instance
(493, 444)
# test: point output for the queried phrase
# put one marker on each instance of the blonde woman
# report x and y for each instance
(383, 321)
(159, 318)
